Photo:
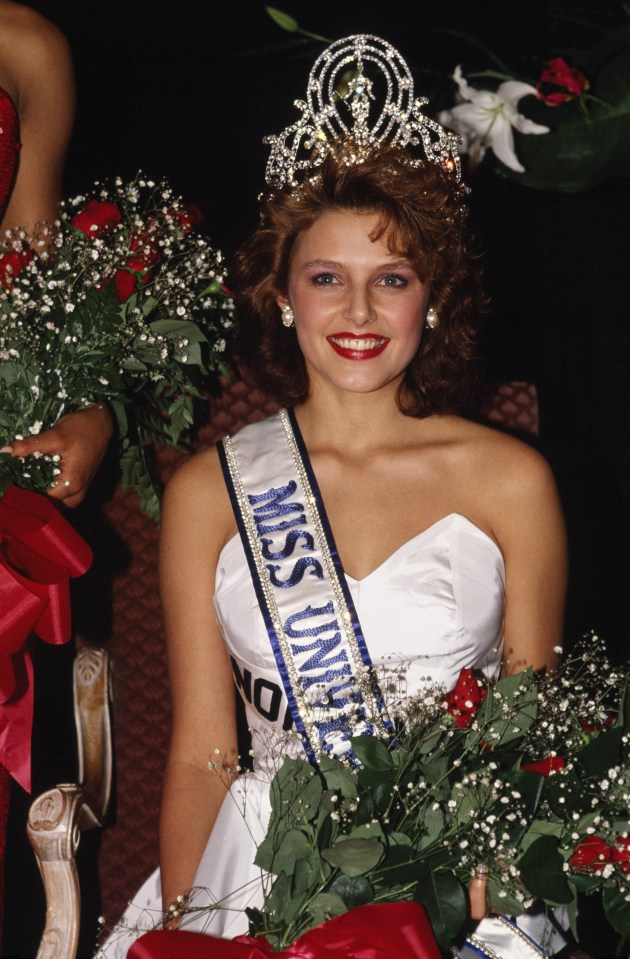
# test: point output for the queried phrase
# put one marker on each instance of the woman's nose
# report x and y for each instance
(359, 306)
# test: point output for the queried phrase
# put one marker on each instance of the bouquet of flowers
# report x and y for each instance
(529, 776)
(125, 306)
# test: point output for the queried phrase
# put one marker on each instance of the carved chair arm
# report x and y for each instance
(57, 817)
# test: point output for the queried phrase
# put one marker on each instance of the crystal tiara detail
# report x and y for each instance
(337, 110)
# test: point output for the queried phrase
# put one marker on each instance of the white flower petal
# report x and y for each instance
(470, 117)
(502, 145)
(513, 90)
(525, 125)
(465, 91)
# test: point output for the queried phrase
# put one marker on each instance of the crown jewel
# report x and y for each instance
(339, 102)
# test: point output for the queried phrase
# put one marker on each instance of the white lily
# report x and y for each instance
(485, 121)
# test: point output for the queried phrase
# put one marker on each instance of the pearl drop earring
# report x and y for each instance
(432, 320)
(287, 316)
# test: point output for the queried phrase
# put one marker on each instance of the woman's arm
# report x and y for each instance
(196, 522)
(531, 533)
(36, 69)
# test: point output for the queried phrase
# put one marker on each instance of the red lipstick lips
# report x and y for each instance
(358, 346)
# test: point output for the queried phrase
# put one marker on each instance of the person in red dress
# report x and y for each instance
(37, 105)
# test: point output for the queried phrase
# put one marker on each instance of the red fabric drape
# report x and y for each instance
(384, 931)
(39, 552)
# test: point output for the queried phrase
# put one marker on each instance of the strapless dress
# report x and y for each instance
(433, 607)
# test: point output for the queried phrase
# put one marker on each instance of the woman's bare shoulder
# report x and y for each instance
(30, 47)
(509, 462)
(197, 496)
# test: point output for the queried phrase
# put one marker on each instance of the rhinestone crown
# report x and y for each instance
(339, 103)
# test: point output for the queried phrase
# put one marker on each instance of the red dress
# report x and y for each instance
(9, 146)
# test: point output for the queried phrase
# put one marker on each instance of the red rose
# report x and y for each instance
(546, 766)
(591, 855)
(144, 248)
(11, 265)
(589, 727)
(96, 218)
(558, 73)
(187, 217)
(464, 701)
(621, 854)
(126, 281)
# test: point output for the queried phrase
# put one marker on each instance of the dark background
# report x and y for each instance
(187, 90)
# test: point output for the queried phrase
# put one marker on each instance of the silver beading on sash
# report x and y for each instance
(329, 683)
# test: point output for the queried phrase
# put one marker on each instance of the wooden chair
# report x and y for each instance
(58, 816)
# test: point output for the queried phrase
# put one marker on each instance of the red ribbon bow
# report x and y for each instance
(39, 552)
(385, 931)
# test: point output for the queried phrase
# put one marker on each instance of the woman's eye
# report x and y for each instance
(394, 280)
(324, 279)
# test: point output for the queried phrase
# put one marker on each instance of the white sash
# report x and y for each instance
(302, 592)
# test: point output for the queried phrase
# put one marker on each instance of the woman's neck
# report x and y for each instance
(353, 422)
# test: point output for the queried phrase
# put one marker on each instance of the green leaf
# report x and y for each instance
(508, 710)
(617, 908)
(372, 830)
(538, 828)
(601, 753)
(502, 898)
(446, 904)
(372, 753)
(284, 21)
(305, 875)
(326, 906)
(566, 795)
(338, 777)
(293, 845)
(433, 823)
(354, 890)
(354, 857)
(541, 868)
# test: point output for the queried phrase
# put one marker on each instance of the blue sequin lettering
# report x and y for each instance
(309, 613)
(263, 528)
(297, 573)
(289, 545)
(323, 648)
(274, 507)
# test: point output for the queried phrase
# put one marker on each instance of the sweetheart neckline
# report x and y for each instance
(413, 539)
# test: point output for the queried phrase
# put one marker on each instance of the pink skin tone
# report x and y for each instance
(359, 308)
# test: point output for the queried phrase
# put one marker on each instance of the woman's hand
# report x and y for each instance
(80, 439)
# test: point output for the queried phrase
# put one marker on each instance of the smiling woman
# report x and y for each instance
(415, 218)
(363, 546)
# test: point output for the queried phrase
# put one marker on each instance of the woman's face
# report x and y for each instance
(359, 309)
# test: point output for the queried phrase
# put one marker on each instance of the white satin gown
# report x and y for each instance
(432, 608)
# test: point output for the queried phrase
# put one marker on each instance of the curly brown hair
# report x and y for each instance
(422, 214)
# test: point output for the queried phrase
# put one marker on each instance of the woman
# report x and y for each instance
(357, 301)
(37, 84)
